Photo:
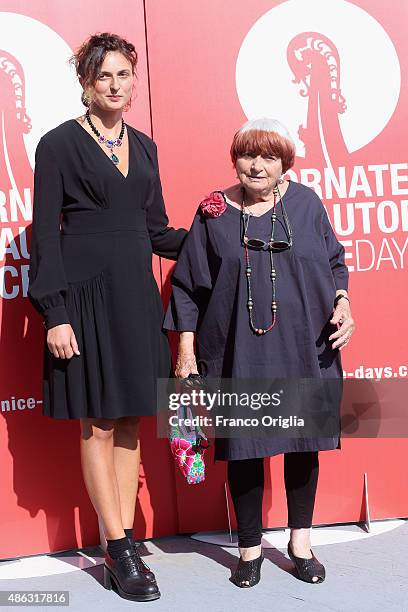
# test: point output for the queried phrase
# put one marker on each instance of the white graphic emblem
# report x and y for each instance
(305, 39)
(52, 92)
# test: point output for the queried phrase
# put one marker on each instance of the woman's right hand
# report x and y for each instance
(186, 360)
(61, 341)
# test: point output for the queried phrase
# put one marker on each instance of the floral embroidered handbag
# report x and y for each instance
(188, 443)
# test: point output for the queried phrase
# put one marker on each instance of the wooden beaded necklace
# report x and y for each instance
(271, 245)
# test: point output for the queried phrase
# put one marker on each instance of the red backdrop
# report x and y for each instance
(209, 68)
(196, 90)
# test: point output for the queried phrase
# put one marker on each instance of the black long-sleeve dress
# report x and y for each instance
(210, 298)
(94, 231)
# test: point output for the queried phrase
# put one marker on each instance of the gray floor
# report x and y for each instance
(363, 576)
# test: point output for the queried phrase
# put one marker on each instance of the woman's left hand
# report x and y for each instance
(345, 323)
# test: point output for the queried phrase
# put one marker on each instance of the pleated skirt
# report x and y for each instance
(116, 314)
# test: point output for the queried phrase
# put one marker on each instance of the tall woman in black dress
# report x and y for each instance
(98, 216)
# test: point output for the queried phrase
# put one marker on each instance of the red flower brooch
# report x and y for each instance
(214, 205)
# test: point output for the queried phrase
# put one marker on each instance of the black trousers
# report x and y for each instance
(246, 483)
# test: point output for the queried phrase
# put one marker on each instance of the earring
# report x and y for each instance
(127, 106)
(280, 180)
(86, 99)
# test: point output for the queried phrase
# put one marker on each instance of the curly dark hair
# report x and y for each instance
(89, 57)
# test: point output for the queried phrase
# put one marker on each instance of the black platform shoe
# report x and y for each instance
(247, 571)
(307, 569)
(128, 575)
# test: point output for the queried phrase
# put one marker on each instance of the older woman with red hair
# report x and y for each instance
(261, 281)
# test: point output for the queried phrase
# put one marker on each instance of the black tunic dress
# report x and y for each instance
(210, 294)
(94, 231)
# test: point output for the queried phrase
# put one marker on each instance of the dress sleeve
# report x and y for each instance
(166, 241)
(191, 281)
(47, 282)
(336, 252)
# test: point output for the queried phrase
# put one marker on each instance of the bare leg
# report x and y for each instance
(247, 554)
(126, 453)
(300, 543)
(98, 469)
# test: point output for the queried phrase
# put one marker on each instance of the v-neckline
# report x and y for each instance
(104, 154)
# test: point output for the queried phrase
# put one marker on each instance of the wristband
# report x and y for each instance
(338, 298)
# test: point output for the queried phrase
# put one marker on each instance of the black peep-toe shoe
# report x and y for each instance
(247, 571)
(307, 569)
